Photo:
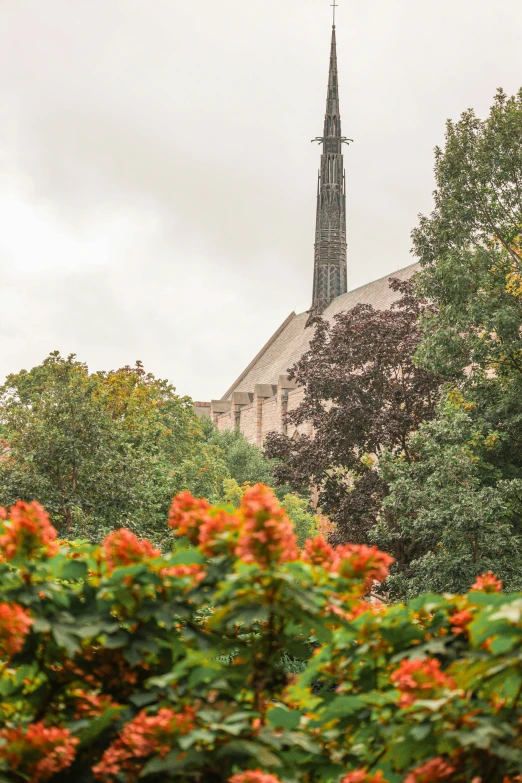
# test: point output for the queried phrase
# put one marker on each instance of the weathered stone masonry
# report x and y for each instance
(257, 413)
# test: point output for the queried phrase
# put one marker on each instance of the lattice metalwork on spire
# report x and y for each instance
(330, 233)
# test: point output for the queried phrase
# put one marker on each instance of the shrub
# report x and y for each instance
(119, 663)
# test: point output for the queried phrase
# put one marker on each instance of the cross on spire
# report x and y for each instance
(334, 6)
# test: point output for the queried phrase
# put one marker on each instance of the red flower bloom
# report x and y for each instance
(418, 679)
(195, 571)
(360, 776)
(254, 776)
(91, 705)
(123, 548)
(212, 528)
(15, 623)
(357, 560)
(142, 737)
(460, 621)
(27, 532)
(488, 583)
(433, 771)
(266, 534)
(318, 552)
(187, 514)
(38, 752)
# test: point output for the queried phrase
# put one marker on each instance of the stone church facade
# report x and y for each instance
(258, 401)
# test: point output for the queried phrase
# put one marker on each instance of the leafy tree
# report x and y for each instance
(205, 472)
(363, 391)
(448, 516)
(471, 253)
(113, 668)
(245, 462)
(93, 446)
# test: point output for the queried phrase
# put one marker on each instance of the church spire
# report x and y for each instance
(330, 233)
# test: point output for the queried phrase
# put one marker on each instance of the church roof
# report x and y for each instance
(291, 340)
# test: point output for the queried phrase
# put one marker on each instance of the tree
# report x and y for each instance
(93, 446)
(363, 392)
(115, 669)
(245, 462)
(471, 255)
(448, 515)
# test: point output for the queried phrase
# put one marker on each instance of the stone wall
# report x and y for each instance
(261, 411)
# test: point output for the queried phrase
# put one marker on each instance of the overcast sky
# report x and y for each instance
(157, 181)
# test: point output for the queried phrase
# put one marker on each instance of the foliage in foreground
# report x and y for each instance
(121, 664)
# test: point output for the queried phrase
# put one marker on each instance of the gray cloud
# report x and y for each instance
(178, 137)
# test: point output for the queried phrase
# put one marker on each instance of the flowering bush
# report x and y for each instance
(119, 663)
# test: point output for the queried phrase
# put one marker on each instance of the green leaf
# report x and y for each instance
(280, 717)
(99, 725)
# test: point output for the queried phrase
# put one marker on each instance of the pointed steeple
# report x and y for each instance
(332, 98)
(330, 278)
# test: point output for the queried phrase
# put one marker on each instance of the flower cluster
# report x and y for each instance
(90, 705)
(201, 524)
(488, 583)
(360, 776)
(27, 532)
(419, 678)
(266, 534)
(432, 771)
(142, 737)
(15, 623)
(254, 776)
(195, 572)
(123, 548)
(187, 514)
(353, 561)
(460, 621)
(37, 752)
(318, 552)
(356, 561)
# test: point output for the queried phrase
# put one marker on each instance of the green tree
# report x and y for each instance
(471, 255)
(245, 462)
(448, 516)
(93, 446)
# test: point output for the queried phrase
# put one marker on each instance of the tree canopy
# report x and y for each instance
(93, 446)
(363, 392)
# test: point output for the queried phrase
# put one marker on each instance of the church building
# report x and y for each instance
(258, 400)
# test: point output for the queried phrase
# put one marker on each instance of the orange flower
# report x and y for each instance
(266, 534)
(360, 776)
(418, 678)
(254, 776)
(187, 514)
(38, 752)
(27, 532)
(357, 560)
(91, 705)
(15, 623)
(460, 621)
(212, 528)
(488, 583)
(195, 571)
(433, 771)
(318, 552)
(142, 737)
(123, 548)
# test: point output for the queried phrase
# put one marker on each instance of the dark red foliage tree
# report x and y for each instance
(363, 392)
